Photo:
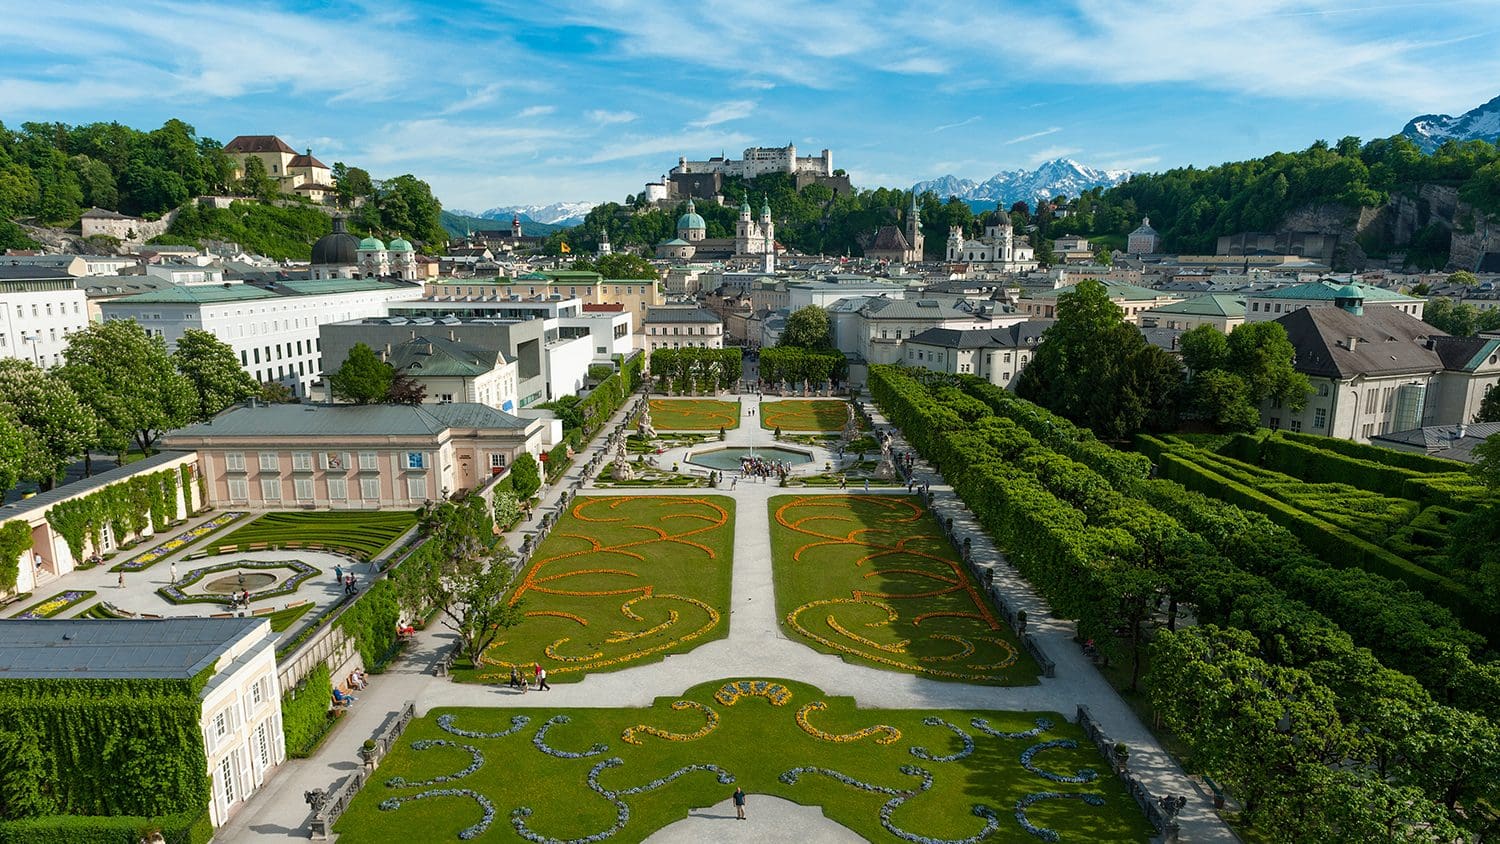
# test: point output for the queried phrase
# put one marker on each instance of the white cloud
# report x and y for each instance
(725, 112)
(474, 99)
(535, 111)
(1053, 130)
(605, 117)
(965, 122)
(1051, 153)
(636, 147)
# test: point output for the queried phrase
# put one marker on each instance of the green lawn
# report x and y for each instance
(285, 618)
(804, 415)
(363, 533)
(871, 578)
(754, 743)
(694, 414)
(621, 580)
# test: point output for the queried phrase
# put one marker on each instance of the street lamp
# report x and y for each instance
(34, 340)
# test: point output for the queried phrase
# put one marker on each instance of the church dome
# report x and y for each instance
(691, 219)
(371, 243)
(337, 247)
(400, 244)
(1349, 291)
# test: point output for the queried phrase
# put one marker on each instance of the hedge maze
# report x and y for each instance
(1313, 570)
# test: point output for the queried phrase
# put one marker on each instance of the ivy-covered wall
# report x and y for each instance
(126, 508)
(101, 747)
(371, 623)
(15, 537)
(304, 717)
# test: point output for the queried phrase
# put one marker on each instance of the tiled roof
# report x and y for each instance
(197, 294)
(1465, 353)
(1328, 291)
(889, 239)
(668, 314)
(1020, 335)
(439, 357)
(103, 214)
(910, 309)
(10, 272)
(313, 420)
(1387, 342)
(1117, 290)
(112, 649)
(258, 143)
(306, 160)
(1213, 304)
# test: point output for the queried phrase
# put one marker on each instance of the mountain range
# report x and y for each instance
(554, 214)
(1061, 176)
(1481, 123)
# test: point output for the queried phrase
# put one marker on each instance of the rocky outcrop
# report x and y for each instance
(1387, 230)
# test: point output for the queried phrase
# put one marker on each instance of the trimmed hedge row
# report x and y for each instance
(609, 394)
(1332, 543)
(304, 716)
(188, 828)
(1120, 468)
(1317, 460)
(1375, 454)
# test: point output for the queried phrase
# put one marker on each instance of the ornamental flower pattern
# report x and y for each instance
(966, 752)
(392, 803)
(900, 796)
(445, 723)
(301, 573)
(540, 740)
(712, 718)
(177, 543)
(983, 726)
(56, 604)
(519, 815)
(888, 734)
(1083, 774)
(1040, 831)
(476, 762)
(732, 691)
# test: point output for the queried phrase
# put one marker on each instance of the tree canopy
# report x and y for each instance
(130, 381)
(1099, 371)
(618, 265)
(363, 378)
(209, 363)
(807, 328)
(54, 425)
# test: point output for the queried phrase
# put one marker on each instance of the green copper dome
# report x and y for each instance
(691, 220)
(400, 244)
(371, 243)
(1349, 291)
(745, 206)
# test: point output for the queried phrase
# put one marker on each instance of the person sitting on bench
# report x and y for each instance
(341, 698)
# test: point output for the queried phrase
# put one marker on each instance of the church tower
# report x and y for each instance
(767, 228)
(914, 231)
(744, 230)
(955, 244)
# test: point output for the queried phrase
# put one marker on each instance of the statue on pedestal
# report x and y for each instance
(887, 468)
(644, 426)
(621, 467)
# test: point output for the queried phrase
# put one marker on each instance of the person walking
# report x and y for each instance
(739, 802)
(338, 574)
(173, 571)
(541, 681)
(867, 484)
(122, 578)
(536, 673)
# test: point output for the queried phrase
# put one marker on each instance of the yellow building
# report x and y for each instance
(288, 167)
(636, 294)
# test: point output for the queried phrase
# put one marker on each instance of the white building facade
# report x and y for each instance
(39, 309)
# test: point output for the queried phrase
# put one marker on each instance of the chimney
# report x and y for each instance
(452, 336)
(1351, 342)
(1463, 431)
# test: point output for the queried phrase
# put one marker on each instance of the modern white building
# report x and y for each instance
(272, 326)
(240, 702)
(39, 308)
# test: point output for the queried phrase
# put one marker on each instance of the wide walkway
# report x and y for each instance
(754, 647)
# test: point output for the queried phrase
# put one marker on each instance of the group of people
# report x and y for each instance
(346, 579)
(240, 601)
(761, 467)
(358, 679)
(518, 679)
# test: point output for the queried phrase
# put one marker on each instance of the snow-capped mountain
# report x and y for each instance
(1060, 176)
(557, 213)
(1431, 130)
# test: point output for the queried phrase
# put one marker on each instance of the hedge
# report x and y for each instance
(304, 712)
(15, 539)
(1375, 454)
(609, 394)
(186, 828)
(1330, 542)
(101, 747)
(1313, 462)
(128, 507)
(371, 622)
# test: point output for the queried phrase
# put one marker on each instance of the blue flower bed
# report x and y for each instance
(1083, 774)
(900, 796)
(445, 723)
(983, 726)
(474, 765)
(467, 833)
(622, 809)
(540, 740)
(1040, 831)
(966, 752)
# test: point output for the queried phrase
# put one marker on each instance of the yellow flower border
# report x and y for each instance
(729, 693)
(710, 716)
(891, 736)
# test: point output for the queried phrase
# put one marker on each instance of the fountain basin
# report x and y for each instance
(727, 459)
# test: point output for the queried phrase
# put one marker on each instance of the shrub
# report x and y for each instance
(304, 712)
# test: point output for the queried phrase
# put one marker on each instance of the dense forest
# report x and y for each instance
(1191, 207)
(51, 172)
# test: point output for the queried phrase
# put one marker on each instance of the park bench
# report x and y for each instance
(221, 615)
(263, 611)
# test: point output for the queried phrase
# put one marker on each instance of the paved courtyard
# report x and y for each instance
(756, 646)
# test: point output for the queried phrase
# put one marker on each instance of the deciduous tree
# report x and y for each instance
(362, 378)
(56, 426)
(129, 380)
(525, 476)
(807, 328)
(216, 373)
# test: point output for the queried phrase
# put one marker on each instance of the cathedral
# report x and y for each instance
(998, 249)
(752, 237)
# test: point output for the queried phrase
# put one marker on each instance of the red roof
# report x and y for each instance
(258, 143)
(306, 161)
(608, 307)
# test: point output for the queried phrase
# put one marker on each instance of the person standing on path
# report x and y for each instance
(541, 680)
(173, 571)
(122, 578)
(867, 484)
(739, 802)
(536, 673)
(338, 574)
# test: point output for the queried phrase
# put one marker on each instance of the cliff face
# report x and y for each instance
(1423, 217)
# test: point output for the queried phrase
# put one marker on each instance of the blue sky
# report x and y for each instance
(534, 102)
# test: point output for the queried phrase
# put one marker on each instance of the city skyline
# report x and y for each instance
(497, 106)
